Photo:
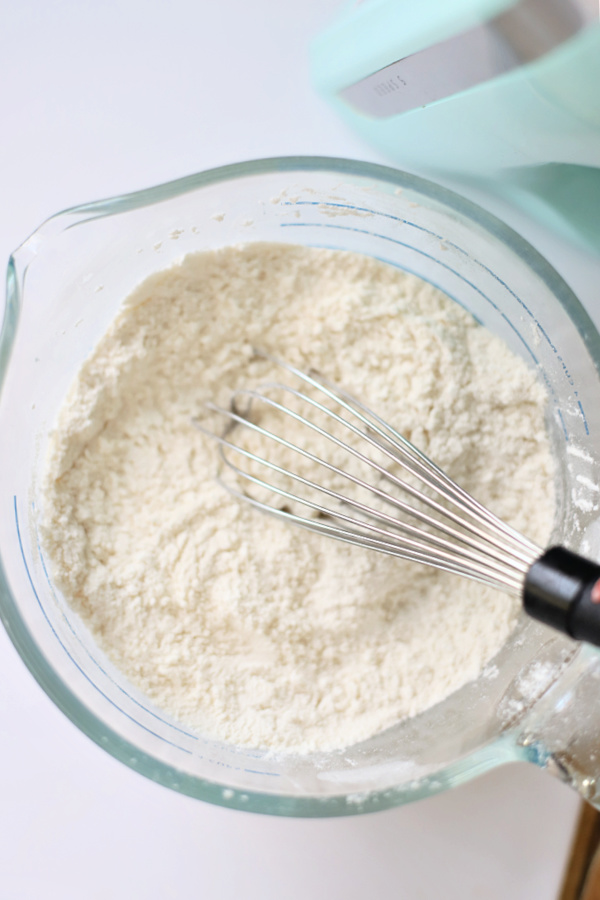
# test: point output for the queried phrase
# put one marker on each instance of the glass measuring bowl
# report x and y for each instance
(539, 699)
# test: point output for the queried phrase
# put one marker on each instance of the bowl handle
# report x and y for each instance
(561, 732)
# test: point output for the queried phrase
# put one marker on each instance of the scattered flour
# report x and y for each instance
(246, 629)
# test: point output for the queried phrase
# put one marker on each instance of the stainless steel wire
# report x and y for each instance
(421, 515)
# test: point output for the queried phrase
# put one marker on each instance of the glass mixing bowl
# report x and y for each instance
(539, 699)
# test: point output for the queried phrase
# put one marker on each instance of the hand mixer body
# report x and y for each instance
(502, 93)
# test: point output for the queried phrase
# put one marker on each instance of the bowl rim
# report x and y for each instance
(500, 750)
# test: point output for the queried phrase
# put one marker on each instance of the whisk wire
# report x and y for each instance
(505, 579)
(482, 547)
(377, 515)
(427, 469)
(463, 562)
(509, 547)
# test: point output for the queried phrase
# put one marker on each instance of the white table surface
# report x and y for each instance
(102, 98)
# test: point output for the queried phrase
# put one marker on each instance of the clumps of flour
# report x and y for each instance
(242, 627)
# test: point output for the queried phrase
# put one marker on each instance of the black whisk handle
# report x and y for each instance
(562, 589)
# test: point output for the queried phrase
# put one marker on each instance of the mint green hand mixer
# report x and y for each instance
(505, 93)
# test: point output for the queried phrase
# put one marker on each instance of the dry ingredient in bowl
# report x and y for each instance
(246, 629)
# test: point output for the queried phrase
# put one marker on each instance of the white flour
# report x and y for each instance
(245, 628)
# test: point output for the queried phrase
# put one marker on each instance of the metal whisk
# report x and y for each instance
(384, 494)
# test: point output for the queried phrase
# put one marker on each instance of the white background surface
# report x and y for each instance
(99, 98)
